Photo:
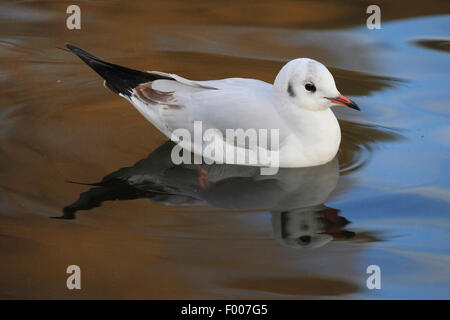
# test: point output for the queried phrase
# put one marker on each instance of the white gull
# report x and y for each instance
(297, 105)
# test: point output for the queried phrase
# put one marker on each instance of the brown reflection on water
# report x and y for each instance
(58, 123)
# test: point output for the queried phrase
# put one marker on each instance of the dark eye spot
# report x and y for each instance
(290, 90)
(304, 239)
(310, 87)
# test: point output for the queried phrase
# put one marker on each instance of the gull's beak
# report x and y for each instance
(344, 101)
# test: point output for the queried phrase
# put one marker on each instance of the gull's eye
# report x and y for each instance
(310, 87)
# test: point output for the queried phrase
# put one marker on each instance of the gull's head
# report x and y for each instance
(309, 85)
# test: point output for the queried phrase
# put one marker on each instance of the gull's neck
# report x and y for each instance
(316, 134)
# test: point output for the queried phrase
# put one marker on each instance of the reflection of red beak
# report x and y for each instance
(344, 101)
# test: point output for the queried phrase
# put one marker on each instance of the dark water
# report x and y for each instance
(302, 233)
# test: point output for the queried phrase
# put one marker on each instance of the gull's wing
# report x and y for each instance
(235, 103)
(134, 85)
(171, 102)
(117, 78)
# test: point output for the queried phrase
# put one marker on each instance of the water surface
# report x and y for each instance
(302, 233)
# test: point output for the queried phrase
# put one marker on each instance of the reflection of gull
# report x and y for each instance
(310, 227)
(296, 107)
(295, 196)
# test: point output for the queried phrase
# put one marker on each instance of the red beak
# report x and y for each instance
(344, 101)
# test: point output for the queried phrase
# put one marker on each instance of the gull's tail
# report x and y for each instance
(118, 79)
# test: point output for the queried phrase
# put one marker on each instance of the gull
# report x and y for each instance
(297, 104)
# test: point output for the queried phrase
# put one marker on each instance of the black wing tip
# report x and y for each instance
(120, 80)
(79, 52)
(71, 47)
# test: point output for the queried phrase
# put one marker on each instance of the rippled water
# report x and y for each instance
(302, 233)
